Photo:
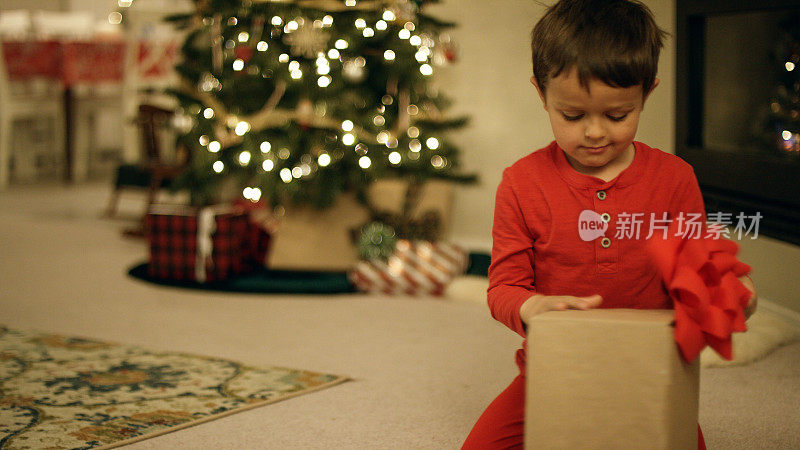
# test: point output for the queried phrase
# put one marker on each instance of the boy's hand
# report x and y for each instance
(753, 303)
(539, 304)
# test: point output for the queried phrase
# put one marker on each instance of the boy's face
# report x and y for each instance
(595, 128)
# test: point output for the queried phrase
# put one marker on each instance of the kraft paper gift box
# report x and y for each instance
(609, 379)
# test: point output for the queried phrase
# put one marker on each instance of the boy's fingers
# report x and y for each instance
(751, 307)
(560, 303)
(595, 300)
(589, 302)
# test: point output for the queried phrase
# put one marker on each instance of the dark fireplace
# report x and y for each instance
(738, 107)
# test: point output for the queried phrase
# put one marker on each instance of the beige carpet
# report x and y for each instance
(766, 331)
(423, 369)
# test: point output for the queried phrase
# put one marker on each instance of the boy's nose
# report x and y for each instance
(594, 130)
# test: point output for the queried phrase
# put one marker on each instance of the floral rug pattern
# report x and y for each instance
(61, 392)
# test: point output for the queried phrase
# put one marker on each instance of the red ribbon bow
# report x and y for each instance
(701, 276)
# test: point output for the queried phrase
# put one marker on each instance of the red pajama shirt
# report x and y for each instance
(537, 246)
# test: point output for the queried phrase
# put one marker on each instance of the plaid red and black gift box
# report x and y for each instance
(257, 237)
(207, 244)
(255, 245)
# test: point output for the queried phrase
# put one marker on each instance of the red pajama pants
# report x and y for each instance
(502, 425)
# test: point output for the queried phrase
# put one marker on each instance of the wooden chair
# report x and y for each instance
(155, 171)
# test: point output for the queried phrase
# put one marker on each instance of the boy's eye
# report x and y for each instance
(617, 118)
(572, 118)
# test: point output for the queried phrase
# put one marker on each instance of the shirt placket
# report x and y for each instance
(606, 247)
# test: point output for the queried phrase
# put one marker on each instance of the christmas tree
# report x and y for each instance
(298, 102)
(780, 128)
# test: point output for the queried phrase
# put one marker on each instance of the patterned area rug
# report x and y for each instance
(65, 392)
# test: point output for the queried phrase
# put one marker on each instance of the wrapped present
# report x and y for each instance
(415, 268)
(258, 236)
(203, 245)
(609, 378)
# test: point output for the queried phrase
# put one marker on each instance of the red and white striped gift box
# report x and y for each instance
(415, 268)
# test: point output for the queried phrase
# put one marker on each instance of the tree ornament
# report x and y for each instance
(445, 51)
(404, 10)
(244, 52)
(183, 123)
(354, 70)
(304, 113)
(377, 241)
(208, 83)
(306, 40)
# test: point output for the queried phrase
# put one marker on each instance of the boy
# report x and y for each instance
(594, 65)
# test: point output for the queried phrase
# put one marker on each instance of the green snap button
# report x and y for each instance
(606, 217)
(605, 242)
(601, 195)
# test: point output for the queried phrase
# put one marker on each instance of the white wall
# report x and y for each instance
(490, 83)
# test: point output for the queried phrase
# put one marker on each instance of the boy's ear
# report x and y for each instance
(647, 94)
(539, 90)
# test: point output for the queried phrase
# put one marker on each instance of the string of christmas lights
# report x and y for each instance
(303, 100)
(780, 125)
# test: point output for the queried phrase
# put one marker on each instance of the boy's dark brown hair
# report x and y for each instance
(614, 41)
